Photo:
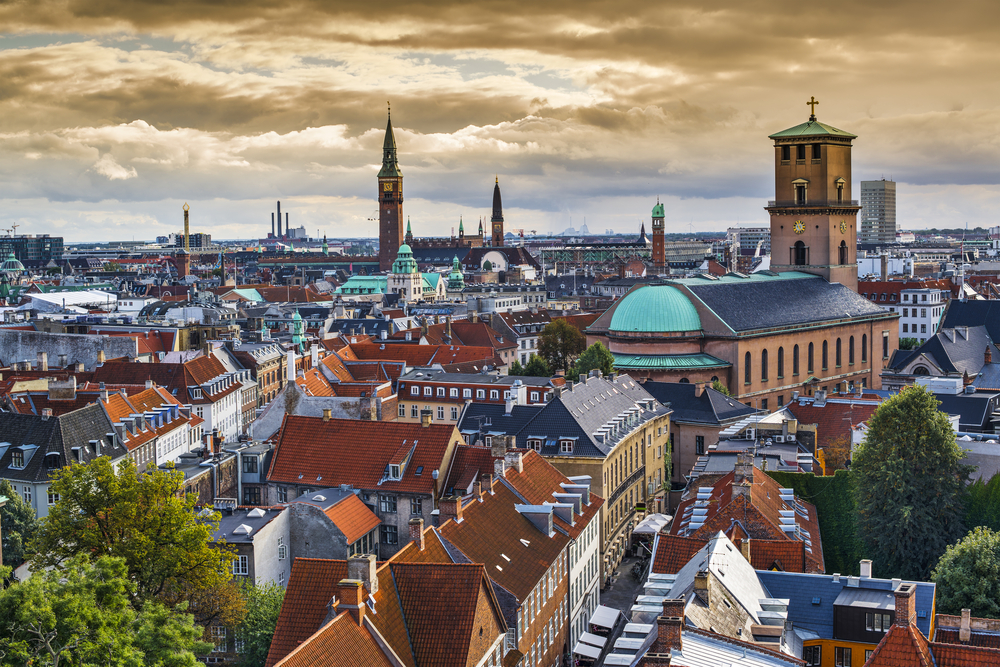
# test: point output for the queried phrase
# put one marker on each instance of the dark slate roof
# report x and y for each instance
(496, 421)
(988, 378)
(712, 407)
(366, 326)
(774, 303)
(801, 590)
(53, 435)
(441, 256)
(973, 314)
(973, 410)
(956, 350)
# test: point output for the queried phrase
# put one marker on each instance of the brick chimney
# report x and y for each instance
(906, 613)
(499, 469)
(450, 507)
(668, 634)
(100, 356)
(362, 568)
(743, 474)
(745, 549)
(351, 597)
(988, 355)
(417, 533)
(487, 481)
(965, 631)
(477, 490)
(327, 413)
(700, 387)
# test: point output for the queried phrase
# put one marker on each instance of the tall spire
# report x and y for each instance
(497, 204)
(390, 165)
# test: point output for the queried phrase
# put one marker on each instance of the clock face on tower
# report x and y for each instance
(843, 226)
(799, 227)
(387, 187)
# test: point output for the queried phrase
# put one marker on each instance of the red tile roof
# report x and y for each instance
(481, 334)
(422, 355)
(311, 586)
(955, 655)
(353, 518)
(314, 384)
(902, 647)
(467, 466)
(340, 642)
(833, 420)
(356, 452)
(950, 636)
(784, 555)
(674, 551)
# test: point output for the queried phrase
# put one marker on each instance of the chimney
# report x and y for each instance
(866, 569)
(512, 459)
(425, 418)
(906, 613)
(700, 387)
(743, 474)
(885, 267)
(79, 367)
(701, 586)
(423, 327)
(314, 354)
(104, 392)
(62, 361)
(43, 361)
(499, 469)
(46, 413)
(745, 549)
(351, 597)
(149, 384)
(100, 356)
(417, 533)
(965, 632)
(447, 327)
(362, 568)
(668, 631)
(499, 445)
(450, 507)
(477, 490)
(988, 355)
(327, 412)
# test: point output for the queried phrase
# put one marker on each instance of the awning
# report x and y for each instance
(587, 650)
(652, 524)
(593, 639)
(606, 617)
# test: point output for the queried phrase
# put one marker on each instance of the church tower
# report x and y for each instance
(390, 202)
(814, 221)
(497, 218)
(659, 250)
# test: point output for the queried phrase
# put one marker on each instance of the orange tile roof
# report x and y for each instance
(902, 647)
(833, 420)
(356, 452)
(336, 366)
(957, 655)
(468, 465)
(314, 384)
(311, 586)
(540, 480)
(433, 552)
(422, 355)
(353, 518)
(950, 636)
(785, 555)
(339, 642)
(674, 551)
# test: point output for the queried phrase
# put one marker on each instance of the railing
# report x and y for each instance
(624, 486)
(811, 202)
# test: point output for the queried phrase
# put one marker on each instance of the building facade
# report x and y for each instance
(878, 212)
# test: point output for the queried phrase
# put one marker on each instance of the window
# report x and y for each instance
(800, 152)
(16, 458)
(282, 549)
(251, 495)
(494, 394)
(781, 362)
(923, 312)
(414, 391)
(842, 251)
(837, 352)
(241, 565)
(440, 392)
(868, 654)
(850, 350)
(440, 412)
(389, 535)
(799, 250)
(454, 414)
(414, 410)
(250, 464)
(566, 446)
(466, 393)
(26, 494)
(416, 506)
(453, 393)
(535, 444)
(817, 151)
(826, 354)
(53, 498)
(763, 366)
(795, 360)
(746, 368)
(428, 391)
(906, 312)
(480, 393)
(813, 655)
(875, 622)
(864, 348)
(809, 359)
(282, 494)
(387, 504)
(239, 644)
(402, 410)
(923, 297)
(699, 444)
(841, 656)
(534, 397)
(781, 400)
(763, 404)
(217, 635)
(885, 344)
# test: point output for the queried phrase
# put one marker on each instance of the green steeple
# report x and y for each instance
(461, 227)
(404, 261)
(390, 166)
(408, 230)
(326, 247)
(298, 331)
(456, 281)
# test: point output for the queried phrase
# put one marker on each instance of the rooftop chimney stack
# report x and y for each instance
(965, 631)
(425, 418)
(351, 596)
(906, 613)
(417, 533)
(43, 361)
(327, 414)
(988, 356)
(450, 507)
(866, 569)
(362, 568)
(279, 220)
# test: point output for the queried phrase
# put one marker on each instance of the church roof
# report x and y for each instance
(813, 128)
(655, 308)
(390, 166)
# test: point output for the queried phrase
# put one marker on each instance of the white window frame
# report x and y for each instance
(241, 566)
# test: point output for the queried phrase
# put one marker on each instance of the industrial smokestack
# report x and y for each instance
(272, 223)
(279, 219)
(187, 229)
(287, 233)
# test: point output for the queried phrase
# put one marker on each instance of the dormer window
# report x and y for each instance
(535, 444)
(394, 472)
(17, 458)
(196, 393)
(566, 446)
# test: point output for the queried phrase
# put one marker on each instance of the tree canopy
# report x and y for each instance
(559, 343)
(81, 614)
(537, 368)
(968, 575)
(148, 522)
(719, 387)
(17, 526)
(982, 507)
(263, 604)
(515, 368)
(595, 357)
(910, 484)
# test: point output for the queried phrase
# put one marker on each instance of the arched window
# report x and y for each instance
(685, 381)
(921, 370)
(809, 359)
(826, 355)
(763, 366)
(850, 350)
(843, 252)
(799, 251)
(715, 378)
(864, 348)
(746, 368)
(839, 358)
(781, 362)
(795, 360)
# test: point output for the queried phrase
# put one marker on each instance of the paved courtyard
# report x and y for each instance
(622, 593)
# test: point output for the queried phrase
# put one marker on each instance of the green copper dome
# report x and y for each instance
(11, 265)
(404, 261)
(658, 210)
(655, 309)
(813, 128)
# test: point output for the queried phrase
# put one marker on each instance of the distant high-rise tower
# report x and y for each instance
(497, 218)
(659, 251)
(390, 202)
(878, 211)
(813, 219)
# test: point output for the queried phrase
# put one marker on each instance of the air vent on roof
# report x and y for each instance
(242, 529)
(319, 498)
(256, 513)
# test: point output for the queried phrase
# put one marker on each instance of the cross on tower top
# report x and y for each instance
(812, 107)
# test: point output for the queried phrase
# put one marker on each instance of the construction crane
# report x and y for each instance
(13, 229)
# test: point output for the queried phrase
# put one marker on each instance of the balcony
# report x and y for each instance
(782, 203)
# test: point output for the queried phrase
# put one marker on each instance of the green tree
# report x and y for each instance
(515, 368)
(559, 343)
(17, 526)
(595, 357)
(537, 368)
(968, 575)
(910, 484)
(150, 523)
(80, 614)
(982, 507)
(908, 343)
(263, 604)
(721, 388)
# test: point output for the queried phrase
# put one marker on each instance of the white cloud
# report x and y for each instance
(107, 166)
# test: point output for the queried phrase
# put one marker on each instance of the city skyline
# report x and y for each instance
(117, 114)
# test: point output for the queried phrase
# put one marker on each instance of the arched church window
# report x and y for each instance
(800, 253)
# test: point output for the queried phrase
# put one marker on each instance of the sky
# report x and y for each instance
(114, 113)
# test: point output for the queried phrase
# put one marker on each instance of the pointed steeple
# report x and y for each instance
(461, 227)
(497, 204)
(390, 165)
(480, 225)
(408, 238)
